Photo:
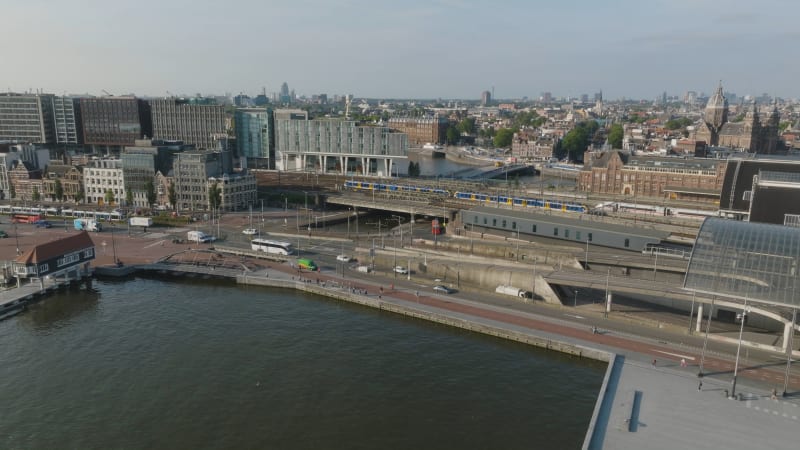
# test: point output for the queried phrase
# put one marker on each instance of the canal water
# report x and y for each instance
(155, 364)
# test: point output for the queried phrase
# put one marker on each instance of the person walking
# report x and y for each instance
(654, 363)
(683, 362)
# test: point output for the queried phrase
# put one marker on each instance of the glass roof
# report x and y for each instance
(757, 262)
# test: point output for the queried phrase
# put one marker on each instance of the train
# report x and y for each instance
(65, 212)
(480, 198)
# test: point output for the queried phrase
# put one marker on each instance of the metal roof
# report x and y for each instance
(753, 262)
(584, 221)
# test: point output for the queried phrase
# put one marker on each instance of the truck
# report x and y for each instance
(141, 222)
(87, 225)
(511, 290)
(199, 236)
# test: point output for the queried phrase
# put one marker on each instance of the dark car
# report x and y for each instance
(3, 234)
(443, 289)
(43, 224)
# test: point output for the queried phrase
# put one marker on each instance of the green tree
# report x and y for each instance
(78, 196)
(36, 196)
(783, 126)
(676, 124)
(615, 135)
(576, 141)
(109, 197)
(452, 135)
(503, 137)
(58, 190)
(467, 125)
(528, 119)
(214, 196)
(150, 193)
(172, 196)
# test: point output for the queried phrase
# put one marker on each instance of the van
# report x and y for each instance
(305, 263)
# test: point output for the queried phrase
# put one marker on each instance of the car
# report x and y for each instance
(3, 234)
(401, 269)
(43, 224)
(250, 231)
(344, 258)
(443, 289)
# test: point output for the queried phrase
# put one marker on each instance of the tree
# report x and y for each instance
(413, 169)
(452, 135)
(503, 137)
(528, 119)
(172, 196)
(36, 196)
(676, 124)
(214, 196)
(467, 125)
(78, 196)
(58, 190)
(150, 193)
(615, 135)
(109, 197)
(577, 140)
(128, 197)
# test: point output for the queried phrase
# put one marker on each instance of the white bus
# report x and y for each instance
(277, 247)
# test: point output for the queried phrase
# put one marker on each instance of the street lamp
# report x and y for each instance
(744, 313)
(576, 298)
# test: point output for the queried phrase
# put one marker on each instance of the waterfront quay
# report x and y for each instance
(649, 397)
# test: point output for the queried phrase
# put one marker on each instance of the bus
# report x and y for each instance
(26, 218)
(268, 246)
(305, 263)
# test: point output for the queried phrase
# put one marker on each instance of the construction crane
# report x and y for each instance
(107, 93)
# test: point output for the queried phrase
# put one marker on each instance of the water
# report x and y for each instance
(155, 364)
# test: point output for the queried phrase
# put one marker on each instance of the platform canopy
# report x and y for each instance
(756, 262)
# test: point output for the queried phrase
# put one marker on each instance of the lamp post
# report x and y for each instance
(691, 312)
(705, 340)
(533, 287)
(576, 298)
(745, 312)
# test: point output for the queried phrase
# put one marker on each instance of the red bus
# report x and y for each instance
(26, 218)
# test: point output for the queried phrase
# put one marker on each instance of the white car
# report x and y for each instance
(443, 289)
(250, 231)
(401, 269)
(344, 258)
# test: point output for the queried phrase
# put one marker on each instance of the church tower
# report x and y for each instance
(772, 130)
(716, 115)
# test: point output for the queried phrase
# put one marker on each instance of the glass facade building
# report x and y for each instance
(27, 118)
(753, 262)
(255, 139)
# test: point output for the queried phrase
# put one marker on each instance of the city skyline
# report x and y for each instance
(432, 49)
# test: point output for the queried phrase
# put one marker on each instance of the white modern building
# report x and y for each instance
(337, 146)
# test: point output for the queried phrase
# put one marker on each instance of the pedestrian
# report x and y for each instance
(700, 386)
(594, 329)
(654, 363)
(683, 362)
(774, 395)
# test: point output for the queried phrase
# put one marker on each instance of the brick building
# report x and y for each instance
(421, 131)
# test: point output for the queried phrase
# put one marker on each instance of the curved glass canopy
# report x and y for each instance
(756, 262)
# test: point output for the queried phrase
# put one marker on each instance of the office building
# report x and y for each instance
(421, 130)
(197, 121)
(103, 182)
(255, 139)
(113, 122)
(141, 161)
(27, 118)
(195, 172)
(337, 146)
(67, 121)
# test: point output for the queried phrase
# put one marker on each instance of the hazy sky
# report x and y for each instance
(401, 48)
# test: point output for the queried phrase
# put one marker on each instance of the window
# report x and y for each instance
(494, 222)
(590, 237)
(513, 225)
(566, 234)
(533, 228)
(577, 235)
(627, 242)
(555, 231)
(504, 223)
(475, 219)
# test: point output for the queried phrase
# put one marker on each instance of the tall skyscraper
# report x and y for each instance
(486, 98)
(198, 121)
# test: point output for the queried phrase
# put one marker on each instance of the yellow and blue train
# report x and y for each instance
(484, 199)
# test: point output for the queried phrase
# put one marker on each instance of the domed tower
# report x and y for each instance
(716, 115)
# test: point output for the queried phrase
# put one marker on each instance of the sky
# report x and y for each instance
(449, 49)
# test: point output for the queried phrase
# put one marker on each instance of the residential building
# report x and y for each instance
(11, 155)
(67, 121)
(337, 146)
(26, 180)
(238, 191)
(199, 121)
(69, 177)
(618, 173)
(255, 137)
(163, 183)
(113, 122)
(533, 146)
(102, 177)
(421, 130)
(27, 118)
